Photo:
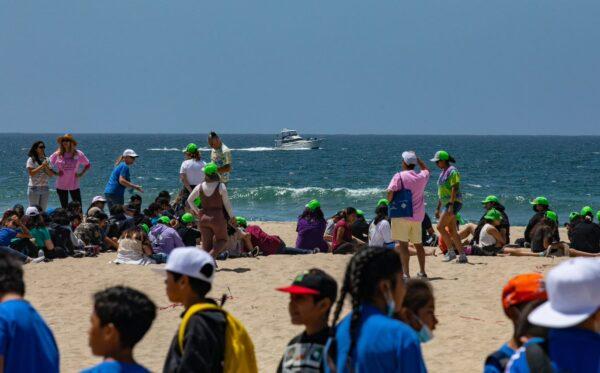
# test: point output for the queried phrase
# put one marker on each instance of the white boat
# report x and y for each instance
(289, 139)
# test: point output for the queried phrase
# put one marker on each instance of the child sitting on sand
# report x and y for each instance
(312, 294)
(518, 293)
(418, 309)
(26, 342)
(133, 250)
(206, 334)
(164, 238)
(120, 319)
(186, 230)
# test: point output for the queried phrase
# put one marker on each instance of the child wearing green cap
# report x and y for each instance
(311, 228)
(584, 235)
(186, 230)
(490, 240)
(190, 172)
(540, 206)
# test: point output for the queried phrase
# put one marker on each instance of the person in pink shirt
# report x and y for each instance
(409, 228)
(70, 164)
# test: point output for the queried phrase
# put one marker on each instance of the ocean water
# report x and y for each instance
(269, 184)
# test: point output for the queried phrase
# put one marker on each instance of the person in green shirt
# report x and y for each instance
(39, 231)
(449, 204)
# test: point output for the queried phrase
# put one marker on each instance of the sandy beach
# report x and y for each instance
(472, 323)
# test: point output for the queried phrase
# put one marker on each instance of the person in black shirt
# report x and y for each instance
(540, 206)
(189, 235)
(360, 228)
(585, 236)
(312, 294)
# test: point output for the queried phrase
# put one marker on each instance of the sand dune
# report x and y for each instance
(472, 323)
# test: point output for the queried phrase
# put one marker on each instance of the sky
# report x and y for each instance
(335, 66)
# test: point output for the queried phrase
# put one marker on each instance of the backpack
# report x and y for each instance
(401, 205)
(239, 349)
(537, 358)
(498, 360)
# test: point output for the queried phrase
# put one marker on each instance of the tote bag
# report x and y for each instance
(401, 205)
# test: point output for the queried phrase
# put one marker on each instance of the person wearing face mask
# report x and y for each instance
(520, 292)
(572, 314)
(370, 339)
(418, 309)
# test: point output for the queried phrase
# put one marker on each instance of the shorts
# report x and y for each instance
(405, 230)
(457, 207)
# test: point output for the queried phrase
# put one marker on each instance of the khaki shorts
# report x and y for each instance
(405, 230)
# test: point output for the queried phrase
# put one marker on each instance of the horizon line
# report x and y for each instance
(308, 133)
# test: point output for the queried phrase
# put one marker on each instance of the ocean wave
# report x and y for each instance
(164, 149)
(275, 192)
(251, 149)
(474, 185)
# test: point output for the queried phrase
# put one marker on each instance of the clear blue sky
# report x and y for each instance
(335, 66)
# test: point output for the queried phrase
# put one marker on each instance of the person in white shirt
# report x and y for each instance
(190, 172)
(380, 232)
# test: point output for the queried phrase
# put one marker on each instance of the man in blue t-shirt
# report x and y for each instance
(572, 314)
(26, 342)
(120, 179)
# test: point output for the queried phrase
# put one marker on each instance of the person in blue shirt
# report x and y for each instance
(572, 314)
(520, 291)
(120, 319)
(369, 339)
(120, 179)
(26, 342)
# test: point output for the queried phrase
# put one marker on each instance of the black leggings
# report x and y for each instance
(63, 195)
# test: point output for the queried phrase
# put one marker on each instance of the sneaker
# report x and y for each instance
(39, 259)
(462, 259)
(449, 256)
(316, 250)
(422, 275)
(255, 252)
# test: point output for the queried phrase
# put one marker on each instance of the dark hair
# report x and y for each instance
(130, 311)
(135, 197)
(212, 177)
(418, 294)
(36, 221)
(348, 211)
(160, 201)
(410, 166)
(314, 215)
(212, 135)
(19, 210)
(200, 287)
(7, 215)
(381, 213)
(11, 275)
(74, 206)
(116, 210)
(60, 216)
(525, 328)
(101, 216)
(164, 194)
(364, 272)
(33, 152)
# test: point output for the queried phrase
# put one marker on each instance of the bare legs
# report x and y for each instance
(452, 239)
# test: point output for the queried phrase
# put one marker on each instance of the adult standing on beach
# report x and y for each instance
(120, 179)
(215, 203)
(39, 171)
(70, 164)
(190, 172)
(221, 156)
(449, 204)
(409, 228)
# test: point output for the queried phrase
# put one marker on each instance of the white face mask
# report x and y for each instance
(425, 334)
(390, 304)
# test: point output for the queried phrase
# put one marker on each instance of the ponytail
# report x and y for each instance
(119, 160)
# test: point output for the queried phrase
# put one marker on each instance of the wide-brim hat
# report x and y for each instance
(67, 136)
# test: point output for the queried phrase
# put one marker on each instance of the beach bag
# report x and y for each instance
(239, 349)
(401, 205)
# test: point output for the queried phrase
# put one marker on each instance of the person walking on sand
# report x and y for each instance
(221, 156)
(39, 171)
(190, 172)
(409, 228)
(70, 164)
(120, 179)
(215, 203)
(449, 204)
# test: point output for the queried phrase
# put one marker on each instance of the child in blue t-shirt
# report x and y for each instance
(26, 342)
(120, 319)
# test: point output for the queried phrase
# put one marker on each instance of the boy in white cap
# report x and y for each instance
(572, 314)
(205, 335)
(408, 228)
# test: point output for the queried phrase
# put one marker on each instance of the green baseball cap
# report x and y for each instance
(242, 222)
(187, 218)
(210, 169)
(360, 213)
(543, 201)
(490, 199)
(313, 204)
(574, 215)
(493, 214)
(442, 155)
(383, 202)
(191, 148)
(145, 228)
(552, 216)
(587, 210)
(164, 220)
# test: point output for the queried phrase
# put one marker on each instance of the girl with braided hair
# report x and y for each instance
(369, 339)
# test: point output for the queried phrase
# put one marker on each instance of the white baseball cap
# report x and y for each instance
(190, 261)
(409, 158)
(130, 153)
(573, 294)
(98, 199)
(32, 211)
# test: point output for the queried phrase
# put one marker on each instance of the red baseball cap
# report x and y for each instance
(523, 288)
(313, 282)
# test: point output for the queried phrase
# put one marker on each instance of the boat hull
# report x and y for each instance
(302, 144)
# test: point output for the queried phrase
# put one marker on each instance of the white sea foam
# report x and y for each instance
(474, 185)
(164, 149)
